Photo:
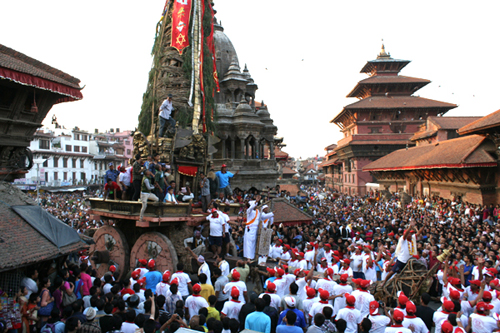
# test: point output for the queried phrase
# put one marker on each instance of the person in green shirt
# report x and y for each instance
(212, 311)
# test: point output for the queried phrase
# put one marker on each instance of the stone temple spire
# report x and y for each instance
(382, 53)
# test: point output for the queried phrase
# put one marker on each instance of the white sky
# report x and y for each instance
(305, 56)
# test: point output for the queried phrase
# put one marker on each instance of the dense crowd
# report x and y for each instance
(322, 277)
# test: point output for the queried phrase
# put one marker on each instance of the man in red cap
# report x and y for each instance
(271, 273)
(411, 321)
(350, 314)
(402, 300)
(345, 268)
(322, 266)
(309, 254)
(217, 231)
(397, 327)
(324, 295)
(242, 287)
(153, 277)
(472, 290)
(302, 263)
(363, 297)
(163, 288)
(326, 283)
(222, 178)
(481, 321)
(280, 282)
(232, 308)
(143, 267)
(339, 291)
(285, 255)
(134, 276)
(184, 281)
(357, 263)
(440, 316)
(309, 301)
(271, 291)
(327, 248)
(195, 302)
(276, 250)
(379, 321)
(369, 264)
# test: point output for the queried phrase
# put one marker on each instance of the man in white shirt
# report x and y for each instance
(251, 227)
(29, 281)
(351, 315)
(195, 302)
(411, 321)
(184, 281)
(341, 289)
(363, 297)
(276, 250)
(271, 291)
(216, 231)
(240, 285)
(165, 115)
(398, 318)
(481, 322)
(379, 322)
(232, 308)
(124, 182)
(146, 191)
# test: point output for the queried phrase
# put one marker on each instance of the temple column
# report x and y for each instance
(223, 148)
(257, 150)
(242, 143)
(271, 150)
(247, 151)
(233, 148)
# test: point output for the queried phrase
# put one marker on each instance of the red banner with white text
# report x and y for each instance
(180, 24)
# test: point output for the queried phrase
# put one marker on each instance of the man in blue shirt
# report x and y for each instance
(165, 116)
(290, 327)
(111, 174)
(223, 180)
(153, 277)
(258, 320)
(300, 321)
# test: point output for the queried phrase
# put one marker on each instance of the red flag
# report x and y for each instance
(180, 24)
(211, 47)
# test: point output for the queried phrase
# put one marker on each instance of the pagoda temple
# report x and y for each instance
(383, 120)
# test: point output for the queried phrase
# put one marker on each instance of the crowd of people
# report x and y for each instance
(322, 280)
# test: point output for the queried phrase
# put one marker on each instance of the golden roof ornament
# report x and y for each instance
(383, 54)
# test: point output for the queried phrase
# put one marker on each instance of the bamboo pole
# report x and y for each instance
(197, 48)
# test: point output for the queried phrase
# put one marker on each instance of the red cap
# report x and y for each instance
(398, 315)
(196, 288)
(368, 247)
(306, 272)
(344, 277)
(135, 274)
(487, 295)
(235, 292)
(410, 307)
(390, 234)
(483, 306)
(350, 299)
(143, 262)
(310, 292)
(337, 259)
(328, 244)
(356, 281)
(236, 275)
(448, 305)
(324, 294)
(142, 281)
(364, 283)
(329, 271)
(446, 327)
(112, 268)
(287, 247)
(271, 271)
(285, 266)
(271, 286)
(454, 294)
(297, 271)
(373, 307)
(166, 276)
(213, 210)
(280, 272)
(151, 264)
(402, 299)
(175, 281)
(224, 166)
(337, 253)
(455, 281)
(311, 243)
(301, 254)
(323, 259)
(476, 282)
(347, 261)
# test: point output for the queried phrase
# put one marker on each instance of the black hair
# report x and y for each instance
(71, 324)
(149, 326)
(291, 317)
(212, 299)
(234, 325)
(203, 278)
(160, 301)
(341, 325)
(130, 316)
(174, 288)
(267, 299)
(180, 266)
(366, 324)
(260, 304)
(327, 312)
(294, 288)
(319, 319)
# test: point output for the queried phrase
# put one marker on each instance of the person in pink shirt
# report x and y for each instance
(87, 281)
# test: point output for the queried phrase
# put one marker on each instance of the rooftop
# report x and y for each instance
(286, 213)
(468, 151)
(485, 123)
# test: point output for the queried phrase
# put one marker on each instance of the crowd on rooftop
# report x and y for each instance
(322, 279)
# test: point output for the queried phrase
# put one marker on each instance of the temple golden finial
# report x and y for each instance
(382, 53)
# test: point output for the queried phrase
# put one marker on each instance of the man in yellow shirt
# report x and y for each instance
(206, 289)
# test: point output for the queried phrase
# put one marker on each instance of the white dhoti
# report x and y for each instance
(249, 242)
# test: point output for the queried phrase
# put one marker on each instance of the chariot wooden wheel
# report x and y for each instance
(110, 248)
(154, 245)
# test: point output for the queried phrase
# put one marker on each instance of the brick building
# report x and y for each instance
(383, 120)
